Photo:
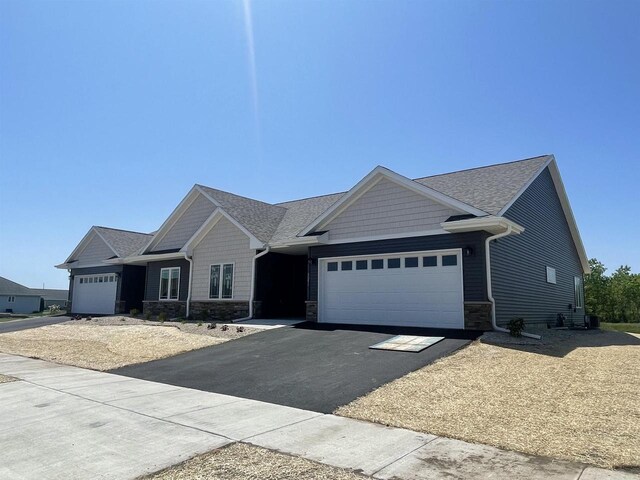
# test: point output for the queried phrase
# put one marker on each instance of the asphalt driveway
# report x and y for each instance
(310, 366)
(32, 322)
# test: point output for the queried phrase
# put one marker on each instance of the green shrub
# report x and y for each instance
(134, 312)
(515, 326)
(162, 317)
(147, 316)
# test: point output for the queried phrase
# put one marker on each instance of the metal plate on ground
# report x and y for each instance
(407, 343)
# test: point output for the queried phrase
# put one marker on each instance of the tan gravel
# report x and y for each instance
(5, 379)
(575, 397)
(245, 462)
(102, 347)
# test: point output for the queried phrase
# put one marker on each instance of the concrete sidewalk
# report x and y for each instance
(66, 422)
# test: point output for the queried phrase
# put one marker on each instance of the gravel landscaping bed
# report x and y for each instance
(245, 462)
(573, 395)
(5, 379)
(108, 346)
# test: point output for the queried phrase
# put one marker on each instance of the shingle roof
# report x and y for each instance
(260, 218)
(51, 294)
(488, 188)
(7, 287)
(124, 242)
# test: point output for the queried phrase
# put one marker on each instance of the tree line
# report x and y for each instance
(615, 297)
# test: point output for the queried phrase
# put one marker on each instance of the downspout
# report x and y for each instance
(190, 260)
(253, 280)
(487, 251)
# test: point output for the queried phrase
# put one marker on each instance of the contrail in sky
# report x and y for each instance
(251, 54)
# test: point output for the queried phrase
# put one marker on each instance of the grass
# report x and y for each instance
(621, 327)
(575, 399)
(245, 462)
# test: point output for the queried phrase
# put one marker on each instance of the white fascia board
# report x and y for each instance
(175, 216)
(82, 245)
(370, 180)
(143, 259)
(491, 224)
(568, 213)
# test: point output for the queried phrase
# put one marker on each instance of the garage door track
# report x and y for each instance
(310, 366)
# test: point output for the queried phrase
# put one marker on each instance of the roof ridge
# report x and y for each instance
(482, 167)
(122, 230)
(241, 196)
(309, 198)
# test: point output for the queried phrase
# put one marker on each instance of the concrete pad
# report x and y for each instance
(95, 442)
(453, 459)
(110, 391)
(178, 401)
(242, 419)
(343, 442)
(594, 473)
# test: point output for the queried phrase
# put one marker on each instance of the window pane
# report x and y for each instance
(214, 282)
(393, 263)
(174, 285)
(429, 261)
(361, 264)
(81, 280)
(227, 281)
(377, 264)
(347, 265)
(164, 284)
(410, 262)
(332, 266)
(449, 260)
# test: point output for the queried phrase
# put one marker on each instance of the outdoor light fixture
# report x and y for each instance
(467, 251)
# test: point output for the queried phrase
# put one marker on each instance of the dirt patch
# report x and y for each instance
(5, 379)
(245, 462)
(103, 347)
(573, 396)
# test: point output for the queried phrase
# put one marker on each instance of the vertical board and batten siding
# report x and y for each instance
(388, 208)
(518, 263)
(184, 228)
(474, 280)
(152, 289)
(225, 243)
(95, 252)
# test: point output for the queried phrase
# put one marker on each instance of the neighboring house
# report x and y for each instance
(99, 287)
(432, 252)
(16, 298)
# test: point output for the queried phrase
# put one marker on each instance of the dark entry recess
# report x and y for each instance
(281, 285)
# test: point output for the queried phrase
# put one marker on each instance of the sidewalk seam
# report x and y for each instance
(405, 455)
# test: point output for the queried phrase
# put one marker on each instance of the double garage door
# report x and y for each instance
(419, 289)
(94, 294)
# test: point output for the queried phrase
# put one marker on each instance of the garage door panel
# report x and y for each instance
(95, 294)
(410, 296)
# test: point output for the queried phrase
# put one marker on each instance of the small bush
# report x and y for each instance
(53, 309)
(224, 328)
(183, 320)
(147, 316)
(134, 312)
(162, 317)
(239, 329)
(199, 324)
(515, 326)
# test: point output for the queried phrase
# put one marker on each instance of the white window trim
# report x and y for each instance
(552, 277)
(233, 282)
(169, 299)
(578, 291)
(12, 299)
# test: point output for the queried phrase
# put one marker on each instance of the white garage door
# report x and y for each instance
(94, 293)
(420, 289)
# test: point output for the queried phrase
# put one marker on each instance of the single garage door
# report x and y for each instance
(94, 294)
(420, 289)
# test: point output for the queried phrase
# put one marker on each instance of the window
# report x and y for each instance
(449, 260)
(332, 266)
(100, 279)
(361, 264)
(12, 299)
(393, 263)
(169, 283)
(90, 280)
(551, 275)
(410, 262)
(112, 278)
(579, 292)
(347, 265)
(429, 261)
(82, 280)
(377, 264)
(221, 281)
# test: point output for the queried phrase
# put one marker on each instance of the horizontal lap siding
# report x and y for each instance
(95, 252)
(473, 266)
(187, 224)
(225, 243)
(518, 263)
(388, 208)
(152, 289)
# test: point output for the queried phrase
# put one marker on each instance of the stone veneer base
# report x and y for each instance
(477, 316)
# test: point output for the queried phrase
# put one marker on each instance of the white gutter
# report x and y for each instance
(253, 279)
(190, 260)
(487, 251)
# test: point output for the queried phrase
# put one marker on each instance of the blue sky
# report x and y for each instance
(111, 110)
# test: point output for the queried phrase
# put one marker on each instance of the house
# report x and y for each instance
(99, 287)
(16, 298)
(465, 250)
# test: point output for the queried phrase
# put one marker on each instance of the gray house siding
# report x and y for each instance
(475, 289)
(152, 288)
(95, 252)
(518, 263)
(22, 304)
(187, 224)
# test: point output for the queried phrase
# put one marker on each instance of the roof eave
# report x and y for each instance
(491, 224)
